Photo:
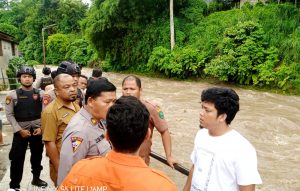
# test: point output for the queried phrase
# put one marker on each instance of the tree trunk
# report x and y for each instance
(172, 32)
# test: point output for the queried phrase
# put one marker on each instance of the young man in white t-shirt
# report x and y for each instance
(223, 160)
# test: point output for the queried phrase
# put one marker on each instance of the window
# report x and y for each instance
(13, 49)
(1, 51)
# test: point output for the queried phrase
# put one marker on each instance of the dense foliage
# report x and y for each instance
(248, 46)
(255, 45)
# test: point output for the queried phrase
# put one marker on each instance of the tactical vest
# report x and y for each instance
(29, 105)
(45, 81)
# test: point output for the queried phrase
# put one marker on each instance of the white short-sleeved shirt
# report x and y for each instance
(222, 163)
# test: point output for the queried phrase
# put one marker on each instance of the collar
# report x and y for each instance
(60, 104)
(88, 116)
(93, 121)
(126, 159)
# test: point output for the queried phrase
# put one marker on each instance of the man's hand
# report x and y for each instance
(171, 161)
(37, 131)
(24, 133)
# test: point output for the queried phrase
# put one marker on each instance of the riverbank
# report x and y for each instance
(214, 82)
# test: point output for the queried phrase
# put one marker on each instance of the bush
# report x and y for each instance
(180, 63)
(57, 47)
(11, 71)
(244, 57)
(81, 52)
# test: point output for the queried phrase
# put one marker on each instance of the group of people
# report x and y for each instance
(96, 140)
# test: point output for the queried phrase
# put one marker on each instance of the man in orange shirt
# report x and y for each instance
(122, 169)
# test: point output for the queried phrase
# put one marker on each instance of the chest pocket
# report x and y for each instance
(103, 145)
(63, 121)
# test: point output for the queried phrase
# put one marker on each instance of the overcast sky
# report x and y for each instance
(87, 1)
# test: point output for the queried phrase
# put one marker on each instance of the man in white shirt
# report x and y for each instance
(223, 160)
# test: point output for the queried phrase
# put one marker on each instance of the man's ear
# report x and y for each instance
(148, 134)
(222, 117)
(106, 136)
(89, 102)
(55, 91)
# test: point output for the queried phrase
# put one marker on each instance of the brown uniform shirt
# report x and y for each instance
(156, 120)
(49, 96)
(55, 118)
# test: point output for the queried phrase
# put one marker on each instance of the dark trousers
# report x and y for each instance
(17, 157)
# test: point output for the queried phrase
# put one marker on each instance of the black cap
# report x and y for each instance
(68, 67)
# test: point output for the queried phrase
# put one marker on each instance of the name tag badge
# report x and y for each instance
(65, 115)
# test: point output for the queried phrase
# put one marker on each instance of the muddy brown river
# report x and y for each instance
(271, 122)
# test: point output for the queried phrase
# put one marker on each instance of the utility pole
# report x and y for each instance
(172, 32)
(44, 49)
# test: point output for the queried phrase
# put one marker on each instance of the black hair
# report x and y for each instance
(96, 73)
(96, 87)
(84, 76)
(53, 74)
(225, 100)
(46, 70)
(127, 124)
(135, 78)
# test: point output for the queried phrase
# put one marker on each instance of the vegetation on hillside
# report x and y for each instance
(255, 45)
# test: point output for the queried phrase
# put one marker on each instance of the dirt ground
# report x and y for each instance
(4, 150)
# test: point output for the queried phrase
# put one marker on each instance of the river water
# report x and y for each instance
(269, 121)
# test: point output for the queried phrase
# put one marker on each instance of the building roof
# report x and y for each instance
(7, 37)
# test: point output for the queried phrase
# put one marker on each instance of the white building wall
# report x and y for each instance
(7, 50)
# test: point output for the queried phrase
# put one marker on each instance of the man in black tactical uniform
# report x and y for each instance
(44, 80)
(23, 110)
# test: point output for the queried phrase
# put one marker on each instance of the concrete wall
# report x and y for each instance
(7, 50)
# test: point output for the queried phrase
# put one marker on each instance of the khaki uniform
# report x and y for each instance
(156, 120)
(49, 96)
(55, 119)
(83, 137)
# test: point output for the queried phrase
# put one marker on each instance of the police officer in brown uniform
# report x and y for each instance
(23, 111)
(132, 86)
(66, 67)
(56, 116)
(84, 135)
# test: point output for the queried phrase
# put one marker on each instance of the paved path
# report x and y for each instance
(27, 176)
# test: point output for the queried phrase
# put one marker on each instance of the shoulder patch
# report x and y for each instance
(8, 100)
(35, 96)
(46, 99)
(160, 113)
(76, 141)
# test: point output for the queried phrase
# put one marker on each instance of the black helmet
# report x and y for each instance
(26, 70)
(67, 67)
(46, 70)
